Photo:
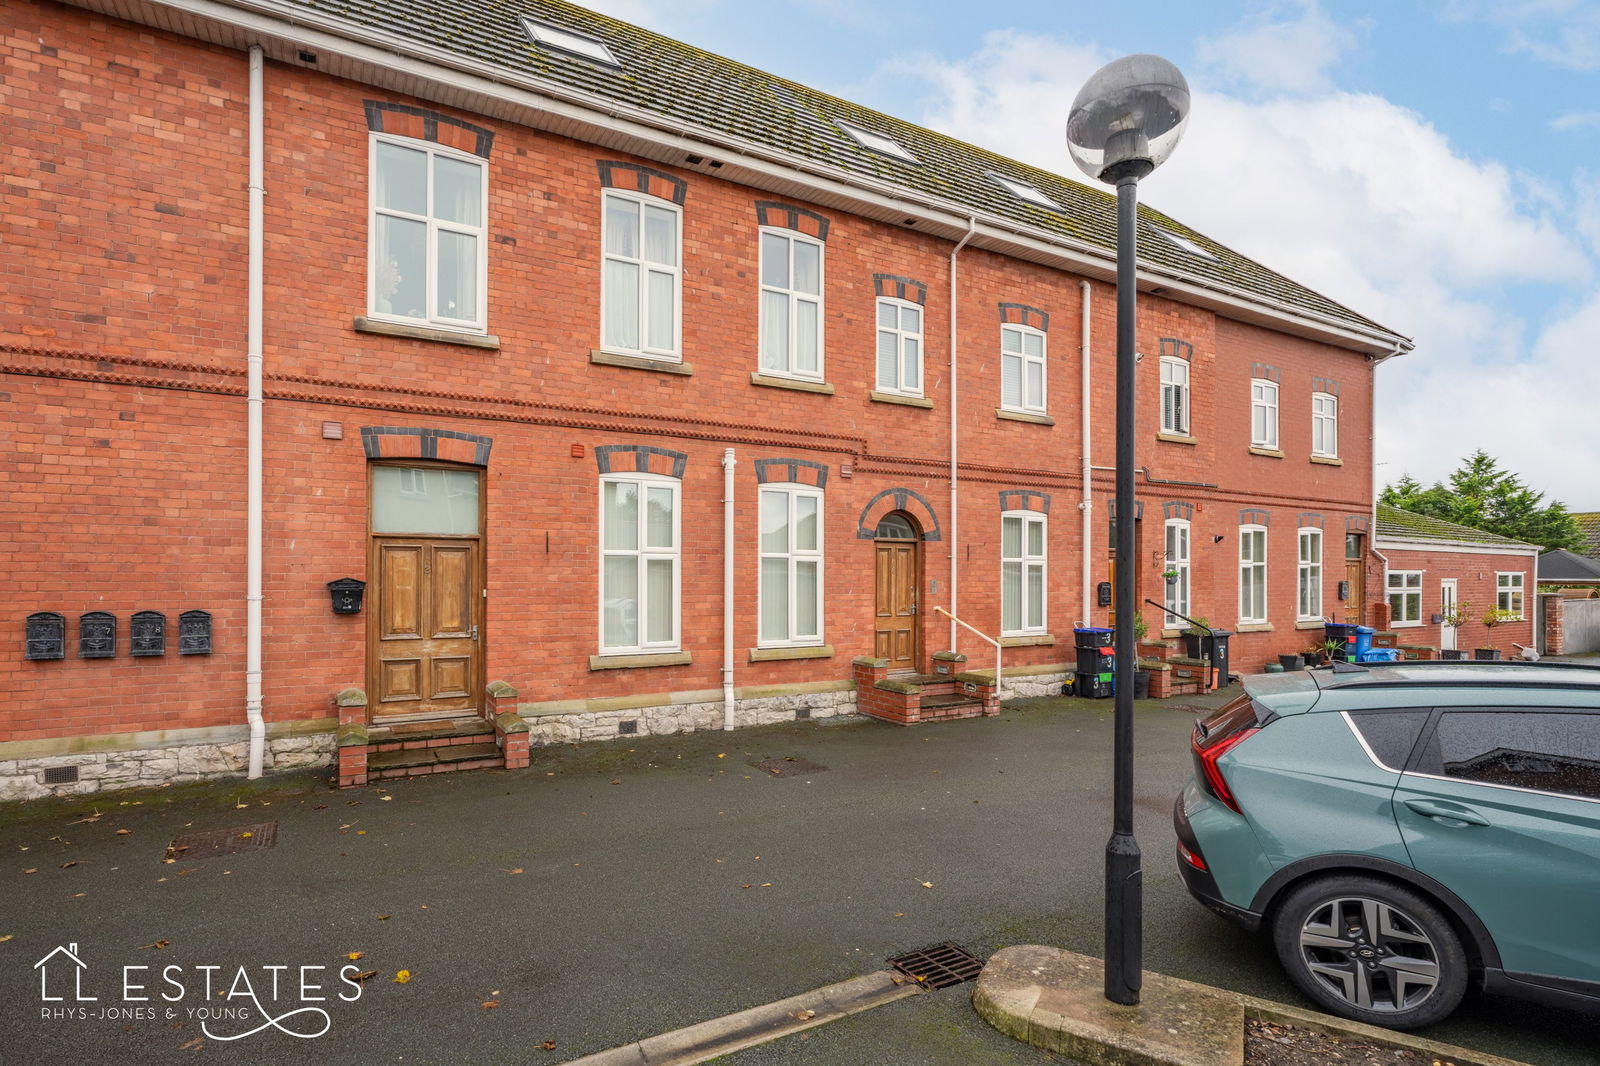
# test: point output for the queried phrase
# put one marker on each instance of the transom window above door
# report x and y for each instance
(416, 499)
(895, 527)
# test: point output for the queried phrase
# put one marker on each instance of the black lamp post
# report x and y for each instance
(1126, 120)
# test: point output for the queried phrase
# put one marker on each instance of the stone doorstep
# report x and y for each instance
(447, 755)
(421, 734)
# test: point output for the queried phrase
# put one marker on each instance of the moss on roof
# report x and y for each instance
(1408, 525)
(693, 87)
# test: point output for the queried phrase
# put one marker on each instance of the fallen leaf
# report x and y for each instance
(746, 885)
(403, 977)
(246, 836)
(124, 832)
(549, 1045)
(190, 870)
(320, 807)
(383, 917)
(169, 860)
(386, 799)
(8, 936)
(518, 870)
(155, 944)
(802, 1015)
(240, 806)
(191, 1045)
(724, 755)
(79, 895)
(69, 862)
(36, 870)
(899, 914)
(364, 974)
(766, 884)
(353, 803)
(927, 884)
(490, 1004)
(361, 832)
(616, 780)
(354, 955)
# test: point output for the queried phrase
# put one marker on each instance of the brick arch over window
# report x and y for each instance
(1172, 347)
(648, 180)
(1023, 315)
(1178, 509)
(410, 442)
(900, 288)
(897, 500)
(795, 471)
(1025, 500)
(640, 458)
(403, 120)
(788, 216)
(1251, 516)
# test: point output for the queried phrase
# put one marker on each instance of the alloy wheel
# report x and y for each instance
(1371, 954)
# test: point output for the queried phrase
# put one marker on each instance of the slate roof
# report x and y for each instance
(1589, 527)
(1399, 524)
(699, 90)
(1562, 565)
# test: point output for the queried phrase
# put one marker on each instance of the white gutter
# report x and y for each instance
(954, 523)
(1086, 498)
(253, 405)
(728, 463)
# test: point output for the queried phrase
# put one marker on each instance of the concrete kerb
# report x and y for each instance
(1054, 999)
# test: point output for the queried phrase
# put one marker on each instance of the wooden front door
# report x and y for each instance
(1355, 574)
(425, 653)
(896, 625)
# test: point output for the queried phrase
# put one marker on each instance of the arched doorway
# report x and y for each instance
(897, 621)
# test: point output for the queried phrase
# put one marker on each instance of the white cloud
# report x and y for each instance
(1367, 202)
(1562, 33)
(1286, 47)
(1576, 120)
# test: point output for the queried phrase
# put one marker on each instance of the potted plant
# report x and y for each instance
(1492, 618)
(1196, 633)
(1454, 616)
(1292, 661)
(1170, 577)
(1323, 653)
(1141, 676)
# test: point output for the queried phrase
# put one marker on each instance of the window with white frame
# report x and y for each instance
(1022, 573)
(1252, 575)
(641, 277)
(1263, 413)
(1176, 573)
(639, 563)
(899, 347)
(1175, 396)
(1308, 576)
(1508, 594)
(427, 261)
(1022, 369)
(791, 304)
(1405, 597)
(791, 565)
(1325, 425)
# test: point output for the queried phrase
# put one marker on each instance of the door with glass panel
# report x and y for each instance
(424, 638)
(896, 633)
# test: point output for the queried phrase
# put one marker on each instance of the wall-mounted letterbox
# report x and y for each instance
(347, 593)
(194, 633)
(147, 634)
(97, 635)
(46, 635)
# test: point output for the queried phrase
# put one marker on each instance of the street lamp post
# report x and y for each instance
(1126, 120)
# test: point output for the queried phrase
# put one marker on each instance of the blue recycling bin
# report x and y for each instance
(1378, 655)
(1360, 643)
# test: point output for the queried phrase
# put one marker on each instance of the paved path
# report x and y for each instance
(630, 915)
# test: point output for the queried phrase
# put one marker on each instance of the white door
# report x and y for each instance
(1447, 607)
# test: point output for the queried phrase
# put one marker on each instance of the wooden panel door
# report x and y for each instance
(425, 650)
(1355, 573)
(896, 629)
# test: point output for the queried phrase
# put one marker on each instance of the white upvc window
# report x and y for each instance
(1325, 425)
(1308, 576)
(1022, 573)
(1022, 369)
(1263, 413)
(639, 563)
(1508, 593)
(1175, 396)
(791, 566)
(1405, 597)
(427, 261)
(1177, 564)
(641, 280)
(791, 304)
(899, 347)
(1252, 575)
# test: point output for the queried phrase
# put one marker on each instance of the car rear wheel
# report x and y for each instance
(1371, 950)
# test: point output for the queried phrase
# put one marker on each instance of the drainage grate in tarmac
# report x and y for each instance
(212, 842)
(939, 967)
(791, 766)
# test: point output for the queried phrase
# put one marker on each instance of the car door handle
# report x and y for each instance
(1450, 815)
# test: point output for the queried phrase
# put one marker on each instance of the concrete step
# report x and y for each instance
(443, 757)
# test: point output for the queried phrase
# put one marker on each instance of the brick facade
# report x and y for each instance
(122, 375)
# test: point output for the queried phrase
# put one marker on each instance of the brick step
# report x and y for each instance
(413, 735)
(950, 702)
(413, 761)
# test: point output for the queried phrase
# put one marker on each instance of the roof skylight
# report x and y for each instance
(878, 142)
(1184, 243)
(570, 41)
(1023, 191)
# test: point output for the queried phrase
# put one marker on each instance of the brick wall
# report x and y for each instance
(1474, 575)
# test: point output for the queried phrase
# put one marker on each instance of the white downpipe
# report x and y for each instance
(1086, 502)
(728, 462)
(955, 528)
(253, 405)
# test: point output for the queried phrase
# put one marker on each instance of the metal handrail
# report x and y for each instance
(984, 636)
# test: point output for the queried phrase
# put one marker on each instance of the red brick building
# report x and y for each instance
(556, 329)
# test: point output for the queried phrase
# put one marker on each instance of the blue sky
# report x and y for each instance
(1434, 165)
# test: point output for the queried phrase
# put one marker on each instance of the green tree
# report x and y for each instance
(1481, 495)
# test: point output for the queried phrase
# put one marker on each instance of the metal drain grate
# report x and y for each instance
(792, 766)
(214, 842)
(939, 967)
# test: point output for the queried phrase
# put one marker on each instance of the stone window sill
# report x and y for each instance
(1029, 640)
(1311, 623)
(1327, 460)
(363, 324)
(631, 662)
(772, 381)
(639, 362)
(814, 651)
(1270, 453)
(1177, 438)
(905, 401)
(1023, 416)
(1253, 627)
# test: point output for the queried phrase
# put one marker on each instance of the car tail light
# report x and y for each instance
(1217, 735)
(1190, 857)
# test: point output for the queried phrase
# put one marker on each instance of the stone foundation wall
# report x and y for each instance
(558, 728)
(1028, 686)
(103, 771)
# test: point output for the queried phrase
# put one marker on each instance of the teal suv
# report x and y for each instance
(1406, 831)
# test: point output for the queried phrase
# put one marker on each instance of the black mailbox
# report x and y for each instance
(1102, 594)
(347, 593)
(1344, 591)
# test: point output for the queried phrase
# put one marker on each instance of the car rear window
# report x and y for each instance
(1550, 751)
(1391, 734)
